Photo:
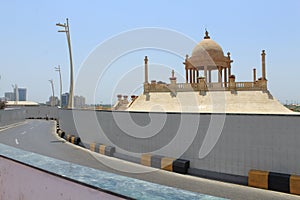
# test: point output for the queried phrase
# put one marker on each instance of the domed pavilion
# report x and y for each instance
(209, 87)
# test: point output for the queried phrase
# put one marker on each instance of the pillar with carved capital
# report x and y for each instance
(146, 69)
(263, 64)
(220, 74)
(254, 75)
(186, 68)
(229, 61)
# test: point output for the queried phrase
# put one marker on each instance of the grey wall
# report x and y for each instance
(242, 142)
(10, 116)
(40, 111)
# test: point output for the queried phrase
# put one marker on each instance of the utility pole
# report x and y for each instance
(58, 70)
(67, 31)
(53, 98)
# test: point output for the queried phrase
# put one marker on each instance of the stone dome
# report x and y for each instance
(207, 53)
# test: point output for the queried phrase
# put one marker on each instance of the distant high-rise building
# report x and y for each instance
(64, 100)
(79, 101)
(53, 101)
(22, 94)
(9, 96)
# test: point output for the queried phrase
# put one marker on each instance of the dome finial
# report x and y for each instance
(206, 34)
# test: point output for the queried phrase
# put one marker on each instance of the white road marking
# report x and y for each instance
(12, 126)
(16, 140)
(31, 127)
(23, 132)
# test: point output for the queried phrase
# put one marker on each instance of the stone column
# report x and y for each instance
(173, 79)
(146, 69)
(186, 69)
(209, 76)
(254, 75)
(186, 75)
(229, 61)
(263, 64)
(205, 73)
(197, 75)
(225, 77)
(220, 74)
(191, 75)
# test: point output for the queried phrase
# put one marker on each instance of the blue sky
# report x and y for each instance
(30, 46)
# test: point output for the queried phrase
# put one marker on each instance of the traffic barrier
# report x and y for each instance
(61, 133)
(181, 166)
(295, 184)
(146, 159)
(274, 181)
(166, 163)
(279, 182)
(73, 139)
(258, 179)
(102, 149)
(109, 150)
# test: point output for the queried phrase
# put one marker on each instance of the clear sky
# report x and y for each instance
(30, 46)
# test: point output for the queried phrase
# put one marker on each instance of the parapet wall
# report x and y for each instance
(10, 116)
(40, 111)
(223, 143)
(14, 184)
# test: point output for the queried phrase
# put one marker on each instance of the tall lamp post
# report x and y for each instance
(53, 98)
(58, 70)
(67, 31)
(16, 92)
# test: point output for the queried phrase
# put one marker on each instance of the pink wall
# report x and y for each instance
(18, 181)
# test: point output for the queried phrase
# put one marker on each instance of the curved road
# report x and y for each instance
(39, 136)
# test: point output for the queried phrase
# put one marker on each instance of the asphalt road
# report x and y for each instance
(39, 136)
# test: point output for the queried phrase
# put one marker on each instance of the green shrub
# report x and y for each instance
(2, 104)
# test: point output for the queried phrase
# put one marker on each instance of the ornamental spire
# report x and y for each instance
(206, 35)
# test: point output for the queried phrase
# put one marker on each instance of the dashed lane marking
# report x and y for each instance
(23, 132)
(16, 140)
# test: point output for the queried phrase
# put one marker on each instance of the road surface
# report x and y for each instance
(39, 136)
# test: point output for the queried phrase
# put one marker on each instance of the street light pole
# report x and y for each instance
(67, 31)
(58, 70)
(53, 98)
(16, 92)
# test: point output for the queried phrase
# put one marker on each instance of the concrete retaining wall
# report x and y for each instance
(40, 111)
(10, 116)
(14, 184)
(229, 144)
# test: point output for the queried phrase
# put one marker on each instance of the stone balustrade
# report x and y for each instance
(259, 85)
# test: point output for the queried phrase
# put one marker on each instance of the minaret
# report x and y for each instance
(146, 69)
(263, 64)
(173, 78)
(229, 64)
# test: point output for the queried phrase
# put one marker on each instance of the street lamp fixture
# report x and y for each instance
(67, 31)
